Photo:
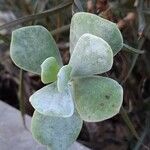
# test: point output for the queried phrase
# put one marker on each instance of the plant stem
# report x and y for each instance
(36, 16)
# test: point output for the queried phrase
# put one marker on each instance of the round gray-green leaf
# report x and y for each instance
(57, 133)
(30, 46)
(97, 98)
(49, 70)
(63, 77)
(89, 23)
(92, 55)
(48, 101)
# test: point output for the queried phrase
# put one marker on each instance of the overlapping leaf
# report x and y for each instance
(49, 70)
(97, 98)
(57, 133)
(48, 101)
(92, 55)
(30, 46)
(63, 77)
(89, 23)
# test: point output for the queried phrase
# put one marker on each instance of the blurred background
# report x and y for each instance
(130, 129)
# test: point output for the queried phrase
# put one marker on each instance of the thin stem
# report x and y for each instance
(132, 50)
(61, 29)
(36, 16)
(128, 122)
(21, 98)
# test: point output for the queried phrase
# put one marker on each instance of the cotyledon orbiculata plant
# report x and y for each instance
(76, 92)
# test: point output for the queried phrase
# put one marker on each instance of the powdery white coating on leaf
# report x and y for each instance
(30, 46)
(97, 98)
(92, 55)
(83, 22)
(57, 133)
(48, 101)
(49, 70)
(63, 77)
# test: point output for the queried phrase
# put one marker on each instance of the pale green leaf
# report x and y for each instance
(63, 77)
(49, 70)
(92, 55)
(57, 133)
(48, 101)
(97, 98)
(89, 23)
(30, 46)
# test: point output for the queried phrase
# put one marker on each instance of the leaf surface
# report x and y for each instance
(49, 70)
(92, 55)
(97, 98)
(30, 46)
(57, 133)
(48, 101)
(63, 77)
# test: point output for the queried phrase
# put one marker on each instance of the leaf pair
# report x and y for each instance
(97, 98)
(82, 23)
(93, 42)
(34, 49)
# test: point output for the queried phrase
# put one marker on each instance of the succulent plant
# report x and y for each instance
(75, 92)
